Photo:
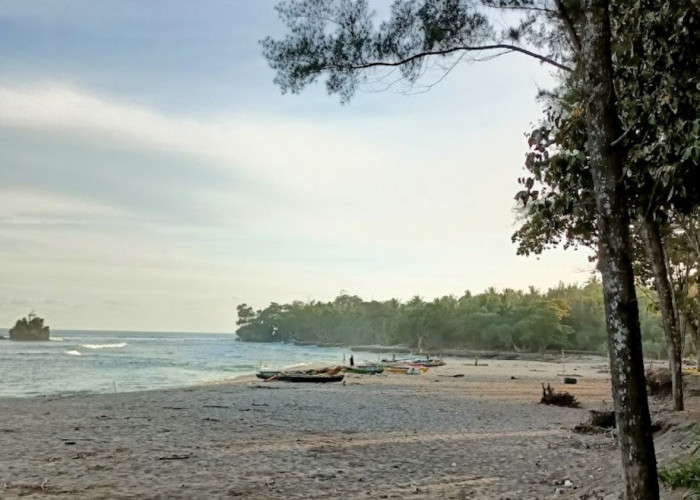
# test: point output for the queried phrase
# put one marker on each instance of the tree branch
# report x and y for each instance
(506, 47)
(569, 25)
(521, 7)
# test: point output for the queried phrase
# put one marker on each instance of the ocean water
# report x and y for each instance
(96, 362)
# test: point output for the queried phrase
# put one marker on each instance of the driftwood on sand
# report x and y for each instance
(551, 397)
(605, 419)
(658, 382)
(598, 422)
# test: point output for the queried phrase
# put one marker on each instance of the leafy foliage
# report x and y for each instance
(685, 474)
(342, 40)
(565, 317)
(658, 89)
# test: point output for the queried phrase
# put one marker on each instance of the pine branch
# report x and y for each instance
(500, 46)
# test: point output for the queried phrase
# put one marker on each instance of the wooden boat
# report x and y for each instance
(316, 378)
(428, 362)
(266, 374)
(364, 369)
(321, 375)
(394, 361)
(407, 370)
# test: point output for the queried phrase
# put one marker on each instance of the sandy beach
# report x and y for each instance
(481, 434)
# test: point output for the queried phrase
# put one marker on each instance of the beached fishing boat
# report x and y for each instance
(318, 375)
(364, 369)
(316, 378)
(428, 362)
(406, 370)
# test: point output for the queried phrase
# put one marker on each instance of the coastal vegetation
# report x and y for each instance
(685, 474)
(628, 71)
(569, 317)
(29, 328)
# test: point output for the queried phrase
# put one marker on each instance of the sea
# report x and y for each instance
(84, 362)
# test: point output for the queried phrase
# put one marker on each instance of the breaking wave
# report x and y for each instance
(104, 346)
(73, 352)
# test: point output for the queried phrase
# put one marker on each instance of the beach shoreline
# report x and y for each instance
(459, 431)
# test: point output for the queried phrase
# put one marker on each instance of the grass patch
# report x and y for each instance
(683, 475)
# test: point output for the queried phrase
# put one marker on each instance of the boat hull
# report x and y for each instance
(371, 370)
(307, 378)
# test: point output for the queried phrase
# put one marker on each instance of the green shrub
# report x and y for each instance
(684, 474)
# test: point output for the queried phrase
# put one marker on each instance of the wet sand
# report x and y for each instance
(481, 435)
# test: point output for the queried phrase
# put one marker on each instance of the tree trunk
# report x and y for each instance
(674, 344)
(697, 348)
(696, 326)
(695, 335)
(621, 313)
(691, 327)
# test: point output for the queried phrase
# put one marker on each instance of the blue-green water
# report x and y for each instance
(91, 362)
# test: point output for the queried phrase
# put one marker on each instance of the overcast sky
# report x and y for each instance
(152, 176)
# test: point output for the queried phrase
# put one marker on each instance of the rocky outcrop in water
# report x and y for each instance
(30, 328)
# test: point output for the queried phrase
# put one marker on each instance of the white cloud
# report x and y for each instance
(116, 202)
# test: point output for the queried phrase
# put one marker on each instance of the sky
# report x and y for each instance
(152, 176)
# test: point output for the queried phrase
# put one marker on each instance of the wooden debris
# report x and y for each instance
(658, 382)
(551, 397)
(175, 457)
(604, 419)
(598, 422)
(570, 380)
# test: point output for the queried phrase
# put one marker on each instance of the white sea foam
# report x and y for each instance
(56, 339)
(103, 346)
(73, 352)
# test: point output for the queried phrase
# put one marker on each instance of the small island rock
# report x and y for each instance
(30, 328)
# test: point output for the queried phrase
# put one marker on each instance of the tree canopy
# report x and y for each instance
(342, 39)
(567, 317)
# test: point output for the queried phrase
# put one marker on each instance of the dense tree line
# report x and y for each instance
(565, 317)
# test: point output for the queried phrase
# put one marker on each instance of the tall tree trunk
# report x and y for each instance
(696, 332)
(674, 343)
(621, 313)
(696, 325)
(695, 335)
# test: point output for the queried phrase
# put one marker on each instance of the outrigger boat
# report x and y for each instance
(324, 375)
(320, 378)
(406, 370)
(364, 369)
(428, 361)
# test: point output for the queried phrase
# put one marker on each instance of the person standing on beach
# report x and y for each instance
(352, 360)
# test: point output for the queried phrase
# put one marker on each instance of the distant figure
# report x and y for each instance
(352, 360)
(393, 357)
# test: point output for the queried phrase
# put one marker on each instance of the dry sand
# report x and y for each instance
(482, 435)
